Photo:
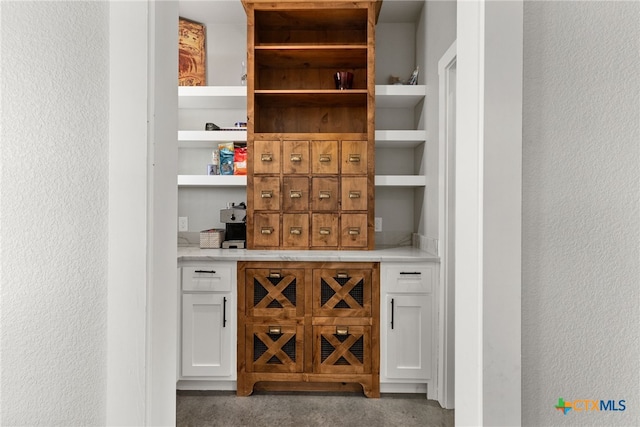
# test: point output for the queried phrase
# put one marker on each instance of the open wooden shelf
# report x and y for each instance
(311, 56)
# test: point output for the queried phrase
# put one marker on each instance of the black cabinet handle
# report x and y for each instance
(206, 271)
(411, 272)
(224, 312)
(391, 313)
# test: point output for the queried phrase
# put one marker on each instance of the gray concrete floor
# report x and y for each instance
(280, 409)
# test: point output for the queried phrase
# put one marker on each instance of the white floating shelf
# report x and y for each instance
(241, 181)
(232, 97)
(401, 181)
(400, 138)
(399, 96)
(207, 139)
(212, 181)
(235, 97)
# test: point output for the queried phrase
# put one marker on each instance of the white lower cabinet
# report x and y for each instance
(205, 335)
(208, 322)
(409, 336)
(407, 321)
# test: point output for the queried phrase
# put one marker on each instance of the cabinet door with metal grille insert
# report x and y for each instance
(274, 348)
(342, 349)
(275, 293)
(341, 293)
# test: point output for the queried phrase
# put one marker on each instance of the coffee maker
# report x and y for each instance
(235, 219)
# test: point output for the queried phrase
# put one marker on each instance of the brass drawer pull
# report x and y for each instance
(342, 275)
(324, 231)
(296, 157)
(295, 194)
(354, 231)
(295, 230)
(325, 158)
(342, 330)
(266, 230)
(354, 194)
(266, 194)
(266, 157)
(275, 330)
(325, 195)
(354, 158)
(274, 274)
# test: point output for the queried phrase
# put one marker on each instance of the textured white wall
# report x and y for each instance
(54, 212)
(581, 219)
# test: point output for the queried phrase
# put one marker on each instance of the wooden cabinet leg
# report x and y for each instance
(244, 387)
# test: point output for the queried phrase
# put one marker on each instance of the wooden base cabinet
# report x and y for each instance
(308, 326)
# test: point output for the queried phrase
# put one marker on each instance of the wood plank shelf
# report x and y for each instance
(312, 98)
(311, 56)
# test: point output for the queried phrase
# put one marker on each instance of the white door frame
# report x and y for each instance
(488, 212)
(446, 188)
(142, 295)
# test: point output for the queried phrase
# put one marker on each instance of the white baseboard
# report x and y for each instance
(206, 385)
(420, 388)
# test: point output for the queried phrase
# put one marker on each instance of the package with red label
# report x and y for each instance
(240, 159)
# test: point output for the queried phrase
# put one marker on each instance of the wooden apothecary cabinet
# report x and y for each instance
(308, 326)
(300, 125)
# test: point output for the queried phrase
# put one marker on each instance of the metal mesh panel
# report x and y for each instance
(342, 304)
(290, 292)
(259, 348)
(274, 304)
(290, 348)
(259, 292)
(357, 349)
(274, 361)
(325, 349)
(327, 292)
(358, 292)
(342, 361)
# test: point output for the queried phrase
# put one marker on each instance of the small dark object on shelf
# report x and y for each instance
(211, 126)
(343, 79)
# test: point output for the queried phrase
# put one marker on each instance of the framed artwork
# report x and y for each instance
(192, 53)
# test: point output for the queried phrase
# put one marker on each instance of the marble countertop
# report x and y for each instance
(397, 254)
